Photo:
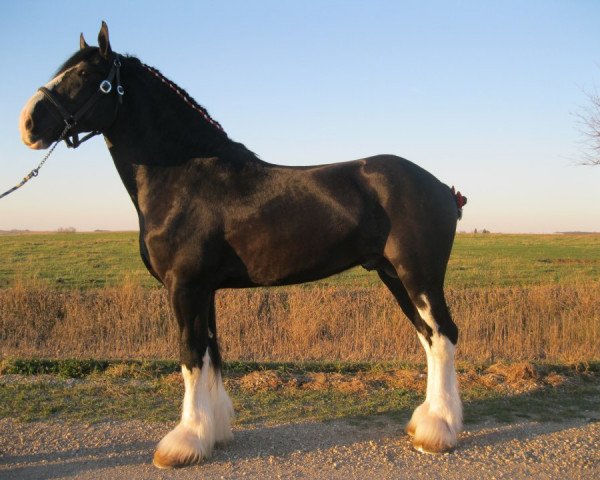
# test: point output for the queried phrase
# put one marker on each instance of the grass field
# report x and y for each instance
(514, 297)
(276, 393)
(96, 260)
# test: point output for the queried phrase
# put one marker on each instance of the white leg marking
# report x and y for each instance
(205, 419)
(436, 423)
(422, 410)
(223, 410)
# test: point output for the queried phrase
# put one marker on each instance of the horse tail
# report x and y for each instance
(460, 200)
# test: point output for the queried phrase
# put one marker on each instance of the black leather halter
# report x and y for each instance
(106, 86)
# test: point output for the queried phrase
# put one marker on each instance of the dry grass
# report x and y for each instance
(542, 323)
(509, 379)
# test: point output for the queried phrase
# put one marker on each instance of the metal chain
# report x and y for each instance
(34, 172)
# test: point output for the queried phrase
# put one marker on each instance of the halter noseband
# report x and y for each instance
(72, 139)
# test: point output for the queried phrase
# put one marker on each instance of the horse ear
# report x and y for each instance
(103, 41)
(82, 43)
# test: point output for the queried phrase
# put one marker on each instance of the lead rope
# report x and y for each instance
(34, 172)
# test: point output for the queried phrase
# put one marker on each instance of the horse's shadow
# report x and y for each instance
(73, 463)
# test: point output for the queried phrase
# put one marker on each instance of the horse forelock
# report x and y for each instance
(79, 56)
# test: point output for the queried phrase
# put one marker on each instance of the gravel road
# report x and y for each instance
(375, 448)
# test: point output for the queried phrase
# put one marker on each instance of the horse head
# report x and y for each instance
(83, 96)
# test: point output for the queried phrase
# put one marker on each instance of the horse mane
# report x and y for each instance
(186, 97)
(207, 130)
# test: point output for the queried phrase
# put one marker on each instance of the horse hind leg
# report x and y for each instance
(436, 423)
(207, 410)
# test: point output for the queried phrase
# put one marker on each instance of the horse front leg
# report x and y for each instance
(207, 410)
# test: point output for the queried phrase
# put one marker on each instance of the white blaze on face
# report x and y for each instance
(26, 119)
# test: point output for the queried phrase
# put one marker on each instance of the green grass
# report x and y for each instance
(149, 391)
(72, 260)
(89, 400)
(96, 260)
(98, 399)
(79, 368)
(579, 400)
(275, 407)
(517, 260)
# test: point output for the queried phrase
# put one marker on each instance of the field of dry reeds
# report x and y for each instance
(551, 323)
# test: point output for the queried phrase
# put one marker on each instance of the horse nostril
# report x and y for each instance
(29, 124)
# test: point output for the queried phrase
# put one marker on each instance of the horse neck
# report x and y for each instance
(156, 128)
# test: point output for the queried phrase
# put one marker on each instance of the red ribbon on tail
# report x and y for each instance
(460, 200)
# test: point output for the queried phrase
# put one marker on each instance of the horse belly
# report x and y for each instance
(303, 245)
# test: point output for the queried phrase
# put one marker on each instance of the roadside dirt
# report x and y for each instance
(375, 448)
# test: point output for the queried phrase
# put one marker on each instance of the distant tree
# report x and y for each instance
(67, 230)
(589, 122)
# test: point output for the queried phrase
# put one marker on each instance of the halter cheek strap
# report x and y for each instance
(71, 120)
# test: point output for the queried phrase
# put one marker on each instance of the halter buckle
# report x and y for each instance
(105, 86)
(120, 90)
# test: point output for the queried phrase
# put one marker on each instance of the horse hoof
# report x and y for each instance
(434, 448)
(418, 415)
(433, 435)
(424, 449)
(165, 461)
(182, 446)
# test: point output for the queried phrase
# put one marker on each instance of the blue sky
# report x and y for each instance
(481, 93)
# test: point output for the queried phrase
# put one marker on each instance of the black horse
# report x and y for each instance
(212, 215)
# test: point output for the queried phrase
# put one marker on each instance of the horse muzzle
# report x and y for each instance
(28, 126)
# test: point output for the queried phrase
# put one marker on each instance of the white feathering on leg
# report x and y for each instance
(436, 423)
(223, 411)
(205, 419)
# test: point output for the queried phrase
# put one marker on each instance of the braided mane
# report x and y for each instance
(186, 97)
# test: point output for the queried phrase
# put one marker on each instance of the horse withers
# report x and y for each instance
(212, 215)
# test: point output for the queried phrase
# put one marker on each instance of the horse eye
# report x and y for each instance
(83, 73)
